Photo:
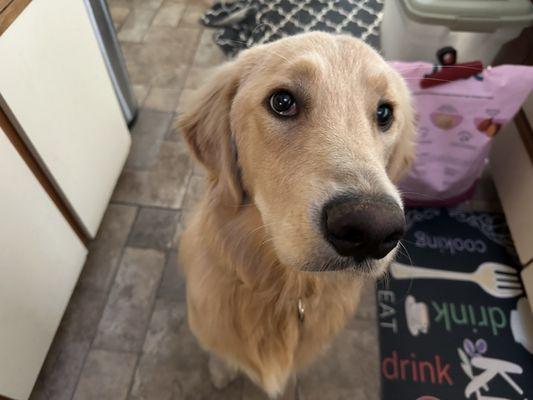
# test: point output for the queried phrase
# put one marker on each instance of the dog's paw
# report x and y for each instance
(221, 373)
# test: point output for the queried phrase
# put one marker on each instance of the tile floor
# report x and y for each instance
(124, 334)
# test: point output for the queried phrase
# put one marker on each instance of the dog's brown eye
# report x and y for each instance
(284, 104)
(384, 116)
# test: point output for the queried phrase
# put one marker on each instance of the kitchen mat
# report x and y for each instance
(454, 322)
(244, 23)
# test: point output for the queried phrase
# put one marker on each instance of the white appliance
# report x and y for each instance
(414, 30)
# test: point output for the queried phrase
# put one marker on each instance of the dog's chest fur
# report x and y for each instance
(243, 304)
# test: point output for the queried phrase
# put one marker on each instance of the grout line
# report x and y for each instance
(189, 5)
(193, 57)
(170, 125)
(140, 104)
(146, 247)
(177, 223)
(150, 25)
(137, 216)
(187, 188)
(119, 26)
(181, 16)
(175, 246)
(173, 128)
(139, 205)
(172, 111)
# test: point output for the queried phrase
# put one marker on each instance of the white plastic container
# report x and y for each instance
(413, 30)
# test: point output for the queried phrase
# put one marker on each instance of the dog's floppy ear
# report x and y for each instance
(205, 124)
(404, 152)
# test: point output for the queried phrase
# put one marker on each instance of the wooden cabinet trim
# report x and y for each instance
(9, 11)
(39, 173)
(3, 5)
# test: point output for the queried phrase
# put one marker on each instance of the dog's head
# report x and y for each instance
(313, 129)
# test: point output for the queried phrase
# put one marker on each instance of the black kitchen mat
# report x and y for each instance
(244, 23)
(446, 331)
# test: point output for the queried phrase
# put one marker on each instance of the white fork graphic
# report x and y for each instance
(498, 280)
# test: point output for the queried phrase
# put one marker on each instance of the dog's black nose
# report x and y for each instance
(363, 227)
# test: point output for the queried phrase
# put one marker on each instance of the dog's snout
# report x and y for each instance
(363, 227)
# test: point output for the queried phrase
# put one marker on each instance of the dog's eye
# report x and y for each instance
(284, 104)
(384, 116)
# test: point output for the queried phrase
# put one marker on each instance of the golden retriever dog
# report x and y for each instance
(301, 140)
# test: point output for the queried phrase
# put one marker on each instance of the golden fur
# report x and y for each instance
(253, 248)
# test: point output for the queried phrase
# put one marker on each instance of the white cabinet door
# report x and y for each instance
(40, 260)
(54, 81)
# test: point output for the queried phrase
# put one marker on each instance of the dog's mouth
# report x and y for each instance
(367, 267)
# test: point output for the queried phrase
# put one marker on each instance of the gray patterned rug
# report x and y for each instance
(244, 23)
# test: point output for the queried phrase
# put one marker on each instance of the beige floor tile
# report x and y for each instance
(140, 92)
(141, 4)
(168, 334)
(165, 34)
(154, 228)
(192, 15)
(172, 365)
(174, 133)
(119, 15)
(144, 188)
(196, 77)
(172, 285)
(195, 191)
(146, 4)
(105, 251)
(185, 97)
(208, 53)
(82, 316)
(162, 99)
(106, 376)
(169, 14)
(168, 347)
(161, 63)
(156, 379)
(171, 76)
(198, 170)
(203, 4)
(130, 303)
(185, 215)
(119, 3)
(136, 25)
(162, 186)
(147, 135)
(252, 392)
